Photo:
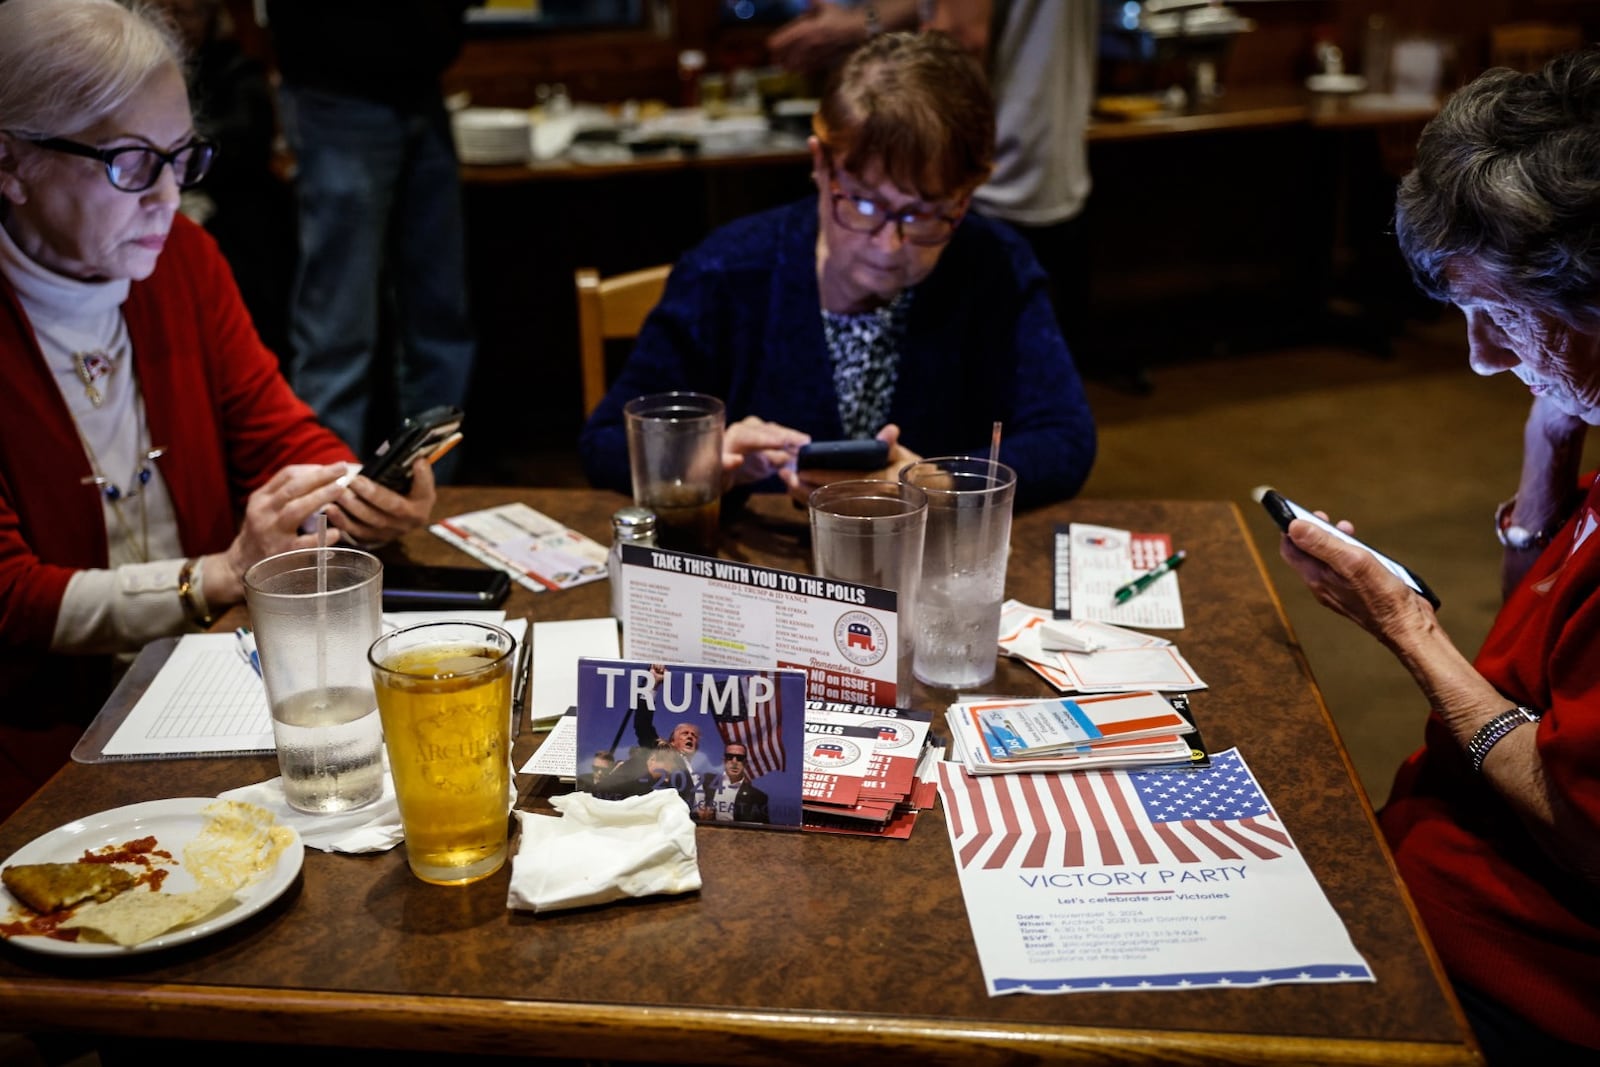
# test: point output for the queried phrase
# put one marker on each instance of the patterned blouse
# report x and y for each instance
(865, 350)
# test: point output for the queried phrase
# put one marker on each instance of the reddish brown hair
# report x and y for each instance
(916, 105)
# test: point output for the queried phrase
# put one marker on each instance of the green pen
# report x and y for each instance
(1127, 592)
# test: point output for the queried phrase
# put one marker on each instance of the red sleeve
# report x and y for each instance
(30, 590)
(1542, 652)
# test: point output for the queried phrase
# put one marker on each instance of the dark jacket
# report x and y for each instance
(741, 319)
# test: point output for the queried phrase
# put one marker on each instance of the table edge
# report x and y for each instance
(545, 1028)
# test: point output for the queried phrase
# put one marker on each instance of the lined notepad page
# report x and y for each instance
(205, 699)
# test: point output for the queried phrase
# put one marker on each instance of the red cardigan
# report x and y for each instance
(1508, 920)
(213, 397)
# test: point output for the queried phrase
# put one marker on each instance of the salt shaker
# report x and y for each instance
(629, 526)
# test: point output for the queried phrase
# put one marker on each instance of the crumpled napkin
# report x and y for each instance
(374, 828)
(603, 850)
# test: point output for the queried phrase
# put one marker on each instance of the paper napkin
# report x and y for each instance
(374, 828)
(603, 850)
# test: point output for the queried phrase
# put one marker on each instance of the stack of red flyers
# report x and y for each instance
(862, 769)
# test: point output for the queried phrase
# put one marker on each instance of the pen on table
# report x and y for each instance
(1127, 592)
(246, 643)
(519, 683)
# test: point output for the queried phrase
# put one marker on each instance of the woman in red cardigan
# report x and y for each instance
(150, 451)
(1495, 822)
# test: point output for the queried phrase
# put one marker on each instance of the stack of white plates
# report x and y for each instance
(491, 135)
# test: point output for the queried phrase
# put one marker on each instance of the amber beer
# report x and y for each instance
(444, 694)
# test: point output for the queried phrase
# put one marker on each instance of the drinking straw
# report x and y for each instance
(994, 455)
(322, 602)
(992, 478)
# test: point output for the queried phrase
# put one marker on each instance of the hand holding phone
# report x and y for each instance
(1284, 511)
(428, 435)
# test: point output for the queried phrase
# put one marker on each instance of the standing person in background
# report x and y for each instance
(380, 207)
(243, 204)
(1042, 68)
(828, 31)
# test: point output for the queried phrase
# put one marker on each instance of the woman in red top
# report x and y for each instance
(1495, 822)
(150, 451)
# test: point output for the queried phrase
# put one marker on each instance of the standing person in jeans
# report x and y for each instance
(380, 207)
(1041, 58)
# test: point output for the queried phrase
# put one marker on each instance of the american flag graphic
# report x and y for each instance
(760, 731)
(1111, 818)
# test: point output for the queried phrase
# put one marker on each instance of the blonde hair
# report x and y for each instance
(67, 64)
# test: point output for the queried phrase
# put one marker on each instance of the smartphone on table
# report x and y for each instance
(428, 435)
(1284, 511)
(409, 588)
(860, 454)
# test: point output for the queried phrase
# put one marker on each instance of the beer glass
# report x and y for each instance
(444, 691)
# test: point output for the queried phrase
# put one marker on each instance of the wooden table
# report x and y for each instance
(799, 946)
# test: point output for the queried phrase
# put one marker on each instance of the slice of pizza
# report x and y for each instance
(51, 887)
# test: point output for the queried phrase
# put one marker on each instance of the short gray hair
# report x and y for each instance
(1508, 178)
(67, 64)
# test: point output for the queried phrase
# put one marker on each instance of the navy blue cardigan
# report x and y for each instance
(741, 319)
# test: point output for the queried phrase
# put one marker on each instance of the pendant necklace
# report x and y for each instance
(117, 496)
(90, 368)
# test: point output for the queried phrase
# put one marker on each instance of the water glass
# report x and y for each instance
(963, 568)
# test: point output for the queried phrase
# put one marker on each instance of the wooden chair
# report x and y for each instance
(610, 309)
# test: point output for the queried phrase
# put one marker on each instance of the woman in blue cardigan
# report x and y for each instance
(881, 309)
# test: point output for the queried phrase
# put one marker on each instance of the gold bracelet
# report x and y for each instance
(190, 578)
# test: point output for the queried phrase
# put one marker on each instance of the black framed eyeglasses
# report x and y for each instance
(740, 756)
(135, 168)
(868, 215)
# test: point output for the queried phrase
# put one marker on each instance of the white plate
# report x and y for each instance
(174, 823)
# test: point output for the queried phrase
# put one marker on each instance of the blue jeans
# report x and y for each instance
(380, 204)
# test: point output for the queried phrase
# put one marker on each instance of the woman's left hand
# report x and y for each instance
(754, 449)
(1354, 584)
(369, 514)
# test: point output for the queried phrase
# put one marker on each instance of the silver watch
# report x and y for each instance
(1490, 733)
(1512, 536)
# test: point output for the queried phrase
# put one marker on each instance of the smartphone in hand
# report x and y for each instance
(861, 454)
(1284, 511)
(430, 435)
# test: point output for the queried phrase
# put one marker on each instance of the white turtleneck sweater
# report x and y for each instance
(120, 608)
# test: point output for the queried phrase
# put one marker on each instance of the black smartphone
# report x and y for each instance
(867, 454)
(430, 434)
(1284, 511)
(442, 588)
